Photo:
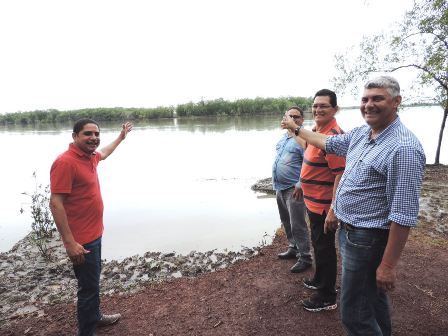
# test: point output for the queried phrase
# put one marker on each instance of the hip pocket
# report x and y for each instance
(360, 238)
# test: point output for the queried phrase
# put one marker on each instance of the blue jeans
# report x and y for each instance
(365, 309)
(88, 275)
(292, 216)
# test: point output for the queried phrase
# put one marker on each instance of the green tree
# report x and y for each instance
(418, 45)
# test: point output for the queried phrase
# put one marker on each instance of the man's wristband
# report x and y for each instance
(297, 130)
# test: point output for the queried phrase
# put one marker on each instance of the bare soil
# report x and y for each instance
(260, 296)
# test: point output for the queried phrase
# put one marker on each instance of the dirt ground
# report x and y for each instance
(261, 297)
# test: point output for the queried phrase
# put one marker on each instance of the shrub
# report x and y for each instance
(42, 225)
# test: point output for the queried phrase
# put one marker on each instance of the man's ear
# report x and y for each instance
(397, 101)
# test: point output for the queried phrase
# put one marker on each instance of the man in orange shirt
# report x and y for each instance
(319, 179)
(77, 208)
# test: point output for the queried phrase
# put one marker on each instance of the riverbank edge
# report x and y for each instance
(29, 283)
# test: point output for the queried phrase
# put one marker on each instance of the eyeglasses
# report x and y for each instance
(90, 133)
(295, 116)
(322, 106)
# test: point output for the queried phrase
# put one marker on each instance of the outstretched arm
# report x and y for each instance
(108, 150)
(299, 140)
(75, 251)
(313, 138)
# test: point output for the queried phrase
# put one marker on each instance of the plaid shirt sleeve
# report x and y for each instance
(404, 179)
(338, 144)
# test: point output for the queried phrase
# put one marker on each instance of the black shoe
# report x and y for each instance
(108, 320)
(317, 303)
(290, 254)
(300, 266)
(310, 284)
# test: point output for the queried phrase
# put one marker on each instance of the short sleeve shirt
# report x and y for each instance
(319, 171)
(287, 163)
(74, 173)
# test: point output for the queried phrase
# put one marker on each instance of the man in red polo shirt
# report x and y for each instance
(77, 208)
(319, 179)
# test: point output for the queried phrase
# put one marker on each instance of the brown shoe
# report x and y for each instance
(107, 320)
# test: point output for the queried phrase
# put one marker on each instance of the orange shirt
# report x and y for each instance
(319, 170)
(74, 173)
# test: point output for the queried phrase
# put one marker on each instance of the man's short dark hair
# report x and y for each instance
(297, 108)
(79, 125)
(328, 93)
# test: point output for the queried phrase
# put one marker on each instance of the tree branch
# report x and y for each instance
(431, 74)
(439, 37)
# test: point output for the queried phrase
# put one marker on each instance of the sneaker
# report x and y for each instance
(107, 320)
(317, 303)
(310, 284)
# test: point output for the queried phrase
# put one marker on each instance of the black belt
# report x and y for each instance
(349, 227)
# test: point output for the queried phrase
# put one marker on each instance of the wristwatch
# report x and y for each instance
(297, 130)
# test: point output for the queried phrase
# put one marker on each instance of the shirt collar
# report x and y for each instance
(328, 127)
(392, 126)
(75, 149)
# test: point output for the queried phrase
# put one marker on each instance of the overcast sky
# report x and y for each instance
(77, 54)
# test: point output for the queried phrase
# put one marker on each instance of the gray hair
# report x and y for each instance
(384, 82)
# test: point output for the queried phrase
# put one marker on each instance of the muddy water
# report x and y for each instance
(174, 185)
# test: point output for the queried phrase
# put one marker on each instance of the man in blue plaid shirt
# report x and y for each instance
(376, 204)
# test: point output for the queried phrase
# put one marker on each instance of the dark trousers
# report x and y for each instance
(324, 256)
(88, 275)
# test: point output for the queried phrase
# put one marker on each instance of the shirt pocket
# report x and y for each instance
(291, 155)
(278, 147)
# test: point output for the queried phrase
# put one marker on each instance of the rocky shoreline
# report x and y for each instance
(29, 283)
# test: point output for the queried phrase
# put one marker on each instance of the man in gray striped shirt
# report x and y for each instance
(376, 203)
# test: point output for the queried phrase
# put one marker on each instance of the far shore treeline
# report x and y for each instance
(217, 107)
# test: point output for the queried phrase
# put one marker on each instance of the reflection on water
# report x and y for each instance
(174, 184)
(215, 124)
(193, 124)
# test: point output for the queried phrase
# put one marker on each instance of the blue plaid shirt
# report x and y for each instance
(382, 178)
(287, 164)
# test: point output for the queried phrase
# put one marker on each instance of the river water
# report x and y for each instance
(175, 185)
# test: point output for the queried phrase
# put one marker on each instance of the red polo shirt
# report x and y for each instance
(319, 170)
(74, 173)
